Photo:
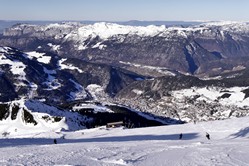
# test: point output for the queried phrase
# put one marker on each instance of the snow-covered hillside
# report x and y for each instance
(45, 75)
(28, 74)
(143, 146)
(34, 117)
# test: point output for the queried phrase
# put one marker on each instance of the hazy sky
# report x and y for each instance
(124, 10)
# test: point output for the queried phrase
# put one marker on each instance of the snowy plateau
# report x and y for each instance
(63, 83)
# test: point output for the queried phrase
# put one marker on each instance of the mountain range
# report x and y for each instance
(174, 73)
(187, 49)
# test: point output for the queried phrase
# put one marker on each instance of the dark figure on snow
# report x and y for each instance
(208, 136)
(55, 141)
(180, 136)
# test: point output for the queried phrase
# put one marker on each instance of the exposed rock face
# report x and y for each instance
(183, 49)
(10, 109)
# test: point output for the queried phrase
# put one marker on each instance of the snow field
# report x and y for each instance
(142, 146)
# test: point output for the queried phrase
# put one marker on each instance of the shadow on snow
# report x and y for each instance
(242, 133)
(12, 142)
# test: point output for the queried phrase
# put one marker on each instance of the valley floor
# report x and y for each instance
(229, 145)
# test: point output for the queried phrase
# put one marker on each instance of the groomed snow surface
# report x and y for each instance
(152, 146)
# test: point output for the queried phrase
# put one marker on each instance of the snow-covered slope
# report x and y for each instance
(137, 147)
(31, 116)
(34, 74)
(45, 75)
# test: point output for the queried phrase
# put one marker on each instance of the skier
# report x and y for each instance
(208, 136)
(180, 136)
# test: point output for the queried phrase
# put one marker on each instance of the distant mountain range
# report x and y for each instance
(224, 45)
(8, 23)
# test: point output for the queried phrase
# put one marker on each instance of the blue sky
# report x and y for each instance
(124, 10)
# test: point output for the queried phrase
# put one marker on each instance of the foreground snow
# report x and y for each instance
(229, 145)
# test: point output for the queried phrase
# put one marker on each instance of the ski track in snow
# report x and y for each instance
(159, 146)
